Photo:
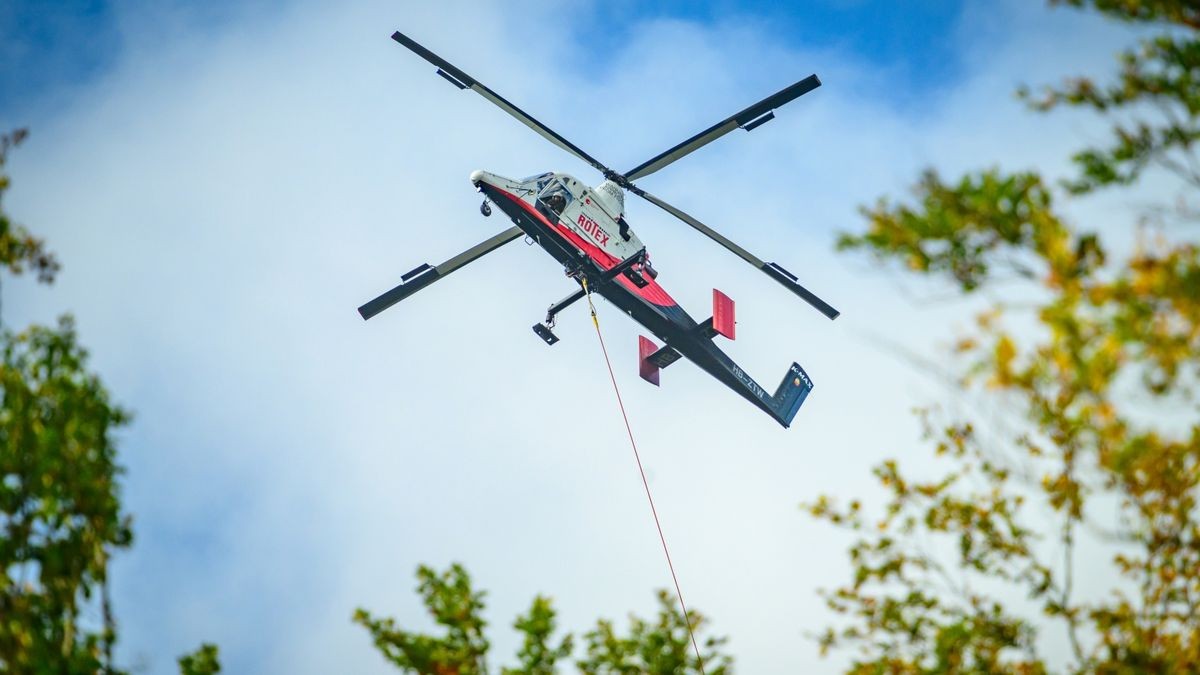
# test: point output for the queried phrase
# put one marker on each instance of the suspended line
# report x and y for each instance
(629, 430)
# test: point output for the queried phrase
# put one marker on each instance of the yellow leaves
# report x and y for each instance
(1064, 493)
(1105, 412)
(1004, 353)
(824, 508)
(1099, 334)
(986, 320)
(820, 508)
(889, 477)
(927, 490)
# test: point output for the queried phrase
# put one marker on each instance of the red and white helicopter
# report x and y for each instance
(584, 228)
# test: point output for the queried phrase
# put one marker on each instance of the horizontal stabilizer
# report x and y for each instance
(664, 357)
(651, 359)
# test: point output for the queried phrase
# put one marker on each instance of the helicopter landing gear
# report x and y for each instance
(543, 330)
(485, 209)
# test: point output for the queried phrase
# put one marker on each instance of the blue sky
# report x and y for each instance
(912, 38)
(226, 182)
(50, 46)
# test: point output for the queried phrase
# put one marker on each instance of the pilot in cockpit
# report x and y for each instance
(557, 202)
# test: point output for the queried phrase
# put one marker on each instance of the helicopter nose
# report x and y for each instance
(476, 177)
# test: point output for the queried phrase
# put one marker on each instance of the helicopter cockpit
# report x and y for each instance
(539, 181)
(553, 196)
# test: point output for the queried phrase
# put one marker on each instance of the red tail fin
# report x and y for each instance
(723, 322)
(647, 369)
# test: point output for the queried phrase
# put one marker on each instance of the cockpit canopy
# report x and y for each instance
(541, 179)
(553, 192)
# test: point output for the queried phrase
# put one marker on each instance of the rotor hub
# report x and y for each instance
(611, 198)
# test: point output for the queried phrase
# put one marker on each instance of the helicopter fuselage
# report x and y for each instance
(583, 233)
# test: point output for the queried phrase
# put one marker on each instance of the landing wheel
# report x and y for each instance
(485, 209)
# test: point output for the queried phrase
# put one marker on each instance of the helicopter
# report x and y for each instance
(584, 229)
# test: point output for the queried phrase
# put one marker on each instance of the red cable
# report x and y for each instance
(687, 618)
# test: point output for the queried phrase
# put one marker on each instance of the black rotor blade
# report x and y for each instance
(426, 274)
(748, 119)
(773, 270)
(464, 81)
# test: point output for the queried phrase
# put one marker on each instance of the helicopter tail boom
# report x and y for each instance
(782, 405)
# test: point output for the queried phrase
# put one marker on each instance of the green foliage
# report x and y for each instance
(59, 499)
(962, 571)
(1082, 438)
(965, 230)
(455, 607)
(537, 656)
(1156, 94)
(655, 648)
(660, 648)
(60, 507)
(60, 513)
(1178, 12)
(203, 661)
(18, 248)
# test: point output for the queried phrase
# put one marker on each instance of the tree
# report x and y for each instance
(19, 249)
(657, 648)
(60, 501)
(1156, 88)
(974, 568)
(203, 661)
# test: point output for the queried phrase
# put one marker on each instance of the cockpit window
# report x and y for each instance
(555, 197)
(541, 178)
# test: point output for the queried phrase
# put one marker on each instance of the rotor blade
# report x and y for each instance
(464, 81)
(748, 119)
(426, 274)
(773, 270)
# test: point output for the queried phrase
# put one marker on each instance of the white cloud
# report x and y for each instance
(223, 201)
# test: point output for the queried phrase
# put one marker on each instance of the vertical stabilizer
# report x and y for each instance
(790, 394)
